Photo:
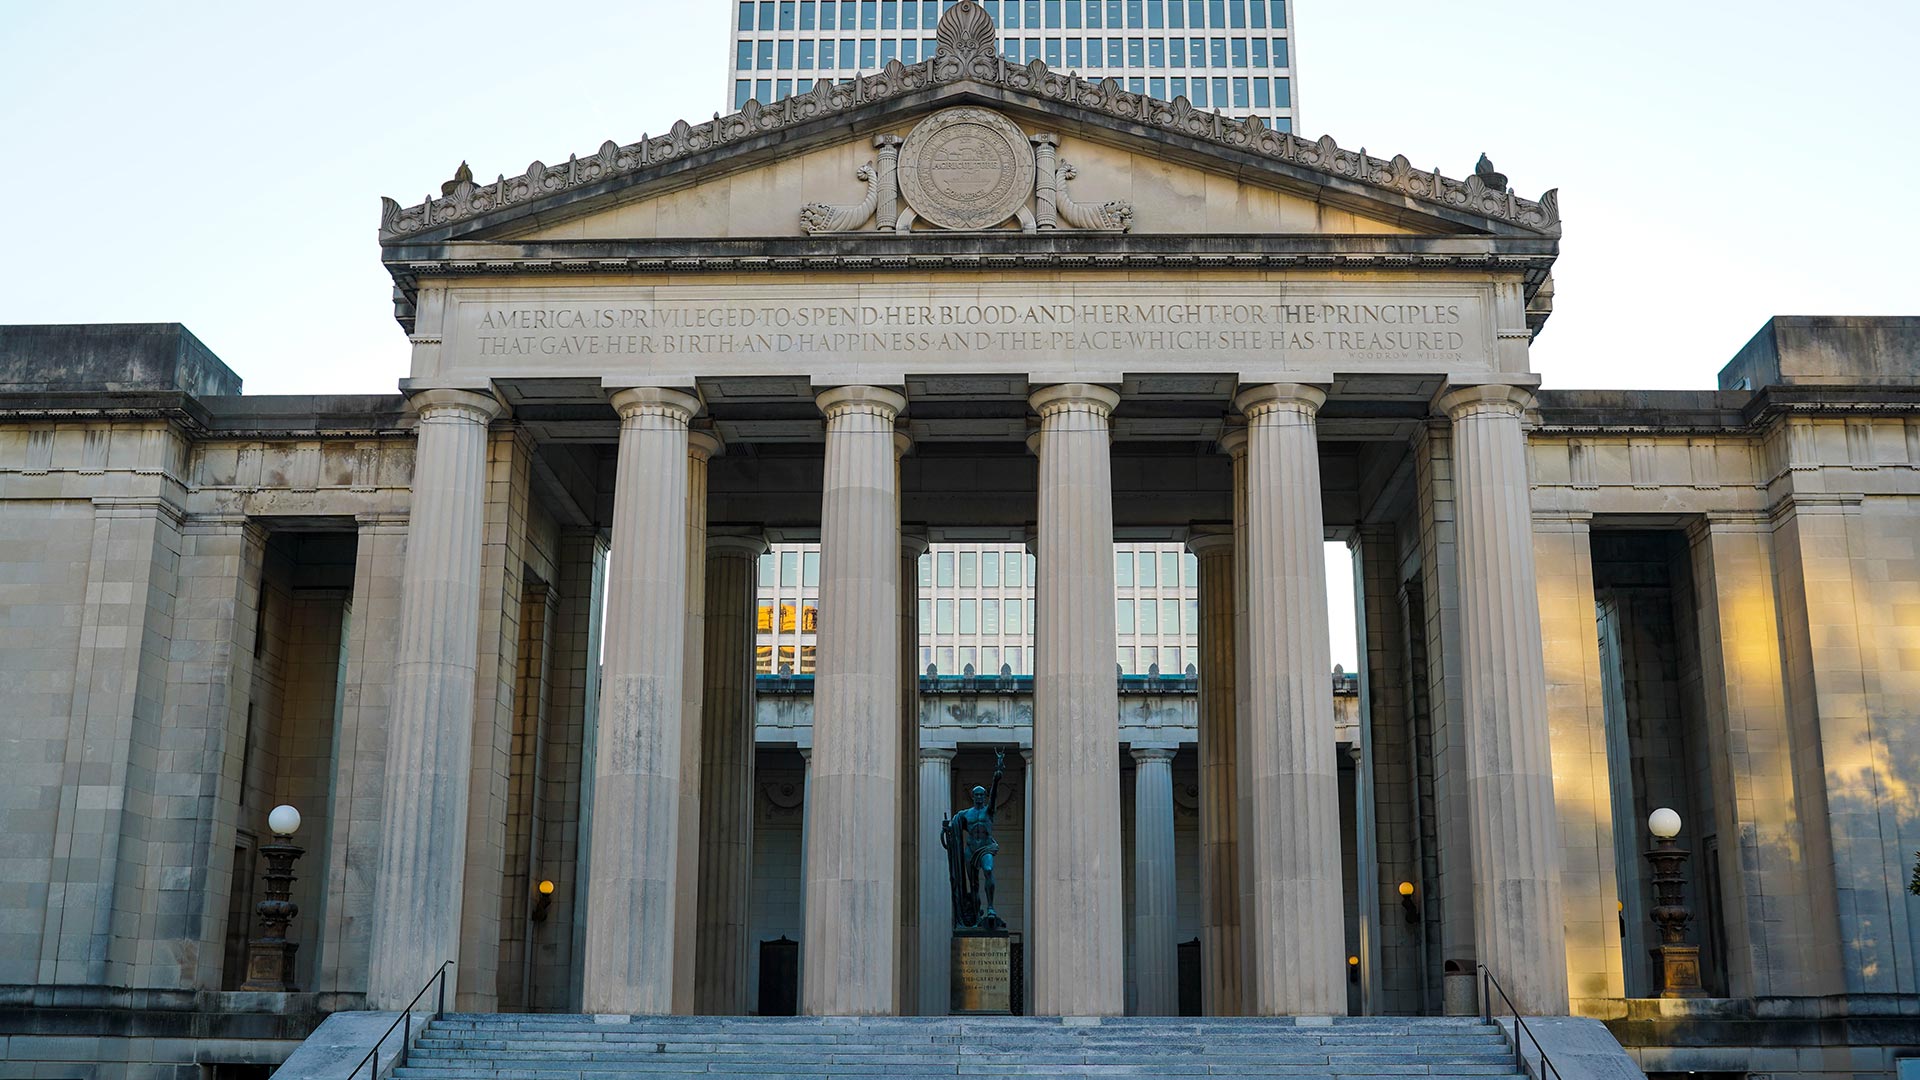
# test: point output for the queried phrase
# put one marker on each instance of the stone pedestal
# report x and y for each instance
(423, 824)
(982, 981)
(1293, 823)
(1519, 925)
(631, 892)
(1077, 933)
(851, 915)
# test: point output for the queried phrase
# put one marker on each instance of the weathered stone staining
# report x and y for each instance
(502, 630)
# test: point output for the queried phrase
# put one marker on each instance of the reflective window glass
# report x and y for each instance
(1170, 662)
(886, 52)
(1157, 53)
(969, 616)
(1155, 18)
(969, 570)
(1073, 14)
(926, 570)
(783, 88)
(910, 51)
(1157, 88)
(1074, 55)
(1136, 85)
(789, 568)
(1190, 616)
(969, 659)
(1238, 49)
(806, 56)
(764, 55)
(766, 14)
(1116, 51)
(1262, 94)
(944, 658)
(1283, 95)
(746, 17)
(788, 10)
(827, 20)
(1143, 568)
(910, 15)
(1259, 46)
(869, 54)
(1219, 52)
(1123, 567)
(1033, 14)
(1017, 660)
(810, 615)
(789, 616)
(990, 660)
(1280, 52)
(1014, 560)
(806, 660)
(1148, 657)
(806, 14)
(1033, 51)
(763, 89)
(743, 56)
(1177, 52)
(1169, 617)
(1220, 93)
(1189, 570)
(763, 621)
(1176, 15)
(1116, 20)
(1279, 14)
(890, 15)
(1257, 15)
(990, 568)
(766, 569)
(1136, 52)
(989, 616)
(1123, 658)
(1196, 14)
(946, 568)
(763, 659)
(1014, 622)
(926, 616)
(1053, 52)
(742, 90)
(926, 656)
(1123, 617)
(943, 617)
(1093, 14)
(1010, 15)
(786, 56)
(1053, 14)
(1176, 88)
(1169, 568)
(826, 55)
(869, 14)
(1237, 13)
(1216, 14)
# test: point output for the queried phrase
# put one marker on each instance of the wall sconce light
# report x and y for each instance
(1353, 969)
(1407, 905)
(543, 899)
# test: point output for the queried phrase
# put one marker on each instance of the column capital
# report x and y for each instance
(1233, 442)
(1083, 397)
(736, 545)
(1044, 138)
(704, 445)
(1211, 545)
(1154, 753)
(1459, 402)
(887, 142)
(937, 753)
(655, 401)
(902, 444)
(912, 545)
(879, 401)
(1258, 401)
(472, 405)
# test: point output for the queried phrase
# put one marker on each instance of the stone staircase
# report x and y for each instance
(527, 1047)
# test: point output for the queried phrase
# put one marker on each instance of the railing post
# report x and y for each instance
(441, 1005)
(406, 1035)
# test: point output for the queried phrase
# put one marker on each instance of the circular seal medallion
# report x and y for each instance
(966, 168)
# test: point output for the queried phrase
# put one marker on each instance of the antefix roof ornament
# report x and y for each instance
(968, 50)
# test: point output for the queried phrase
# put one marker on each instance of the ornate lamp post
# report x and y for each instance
(270, 956)
(1676, 964)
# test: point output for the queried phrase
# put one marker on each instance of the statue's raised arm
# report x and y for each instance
(999, 770)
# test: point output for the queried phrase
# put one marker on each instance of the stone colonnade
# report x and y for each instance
(1271, 883)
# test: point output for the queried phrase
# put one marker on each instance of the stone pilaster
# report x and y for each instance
(422, 861)
(1077, 931)
(936, 903)
(1234, 445)
(1519, 924)
(701, 448)
(851, 921)
(907, 977)
(887, 212)
(726, 780)
(1220, 942)
(631, 923)
(1293, 822)
(1156, 949)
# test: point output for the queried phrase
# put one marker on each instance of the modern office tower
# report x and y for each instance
(1234, 56)
(976, 608)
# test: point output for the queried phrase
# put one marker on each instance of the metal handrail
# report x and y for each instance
(1520, 1027)
(406, 1017)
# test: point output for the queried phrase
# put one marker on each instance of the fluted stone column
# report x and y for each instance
(1156, 948)
(726, 780)
(936, 897)
(1519, 923)
(912, 842)
(1234, 445)
(851, 921)
(422, 861)
(631, 895)
(1078, 934)
(701, 447)
(1220, 941)
(1293, 822)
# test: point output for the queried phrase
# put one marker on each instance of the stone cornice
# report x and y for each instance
(965, 68)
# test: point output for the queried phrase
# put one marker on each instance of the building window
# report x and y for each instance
(1199, 93)
(1075, 58)
(1220, 93)
(743, 56)
(1237, 14)
(1240, 93)
(990, 569)
(1157, 52)
(1217, 14)
(869, 53)
(763, 659)
(826, 55)
(990, 659)
(926, 570)
(910, 51)
(763, 89)
(910, 15)
(1177, 87)
(1017, 660)
(1148, 657)
(787, 12)
(926, 656)
(1173, 663)
(890, 15)
(1135, 51)
(946, 569)
(786, 658)
(990, 616)
(1279, 14)
(1115, 20)
(766, 14)
(926, 616)
(1262, 94)
(806, 14)
(1116, 51)
(969, 617)
(1014, 608)
(1279, 52)
(786, 56)
(1190, 570)
(1143, 569)
(763, 622)
(1238, 48)
(742, 91)
(784, 88)
(869, 15)
(943, 657)
(1169, 618)
(1136, 16)
(1014, 560)
(1124, 657)
(1158, 88)
(806, 56)
(1283, 94)
(827, 20)
(969, 659)
(1176, 15)
(810, 615)
(789, 616)
(969, 570)
(806, 660)
(1257, 14)
(1177, 52)
(1169, 568)
(1053, 52)
(1073, 14)
(943, 616)
(1123, 617)
(1190, 615)
(1123, 567)
(1218, 53)
(886, 52)
(746, 17)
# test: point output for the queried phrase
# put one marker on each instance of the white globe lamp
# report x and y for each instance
(1664, 823)
(283, 820)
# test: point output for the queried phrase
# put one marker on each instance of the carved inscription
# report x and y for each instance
(1306, 330)
(966, 168)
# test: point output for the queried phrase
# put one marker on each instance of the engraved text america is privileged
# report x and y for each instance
(1436, 330)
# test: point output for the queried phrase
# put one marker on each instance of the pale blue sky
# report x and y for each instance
(220, 164)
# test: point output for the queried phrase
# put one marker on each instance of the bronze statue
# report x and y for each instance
(968, 838)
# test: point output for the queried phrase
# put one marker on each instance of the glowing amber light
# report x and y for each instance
(1406, 888)
(1353, 961)
(546, 888)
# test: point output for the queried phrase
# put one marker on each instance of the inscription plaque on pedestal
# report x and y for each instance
(982, 974)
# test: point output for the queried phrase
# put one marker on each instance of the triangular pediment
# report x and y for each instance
(1135, 164)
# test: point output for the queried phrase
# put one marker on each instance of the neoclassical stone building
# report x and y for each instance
(498, 629)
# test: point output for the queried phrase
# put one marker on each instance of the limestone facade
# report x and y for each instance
(495, 631)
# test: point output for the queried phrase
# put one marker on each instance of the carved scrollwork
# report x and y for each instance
(1110, 216)
(825, 217)
(968, 50)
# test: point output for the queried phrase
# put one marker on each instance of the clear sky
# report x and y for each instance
(220, 164)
